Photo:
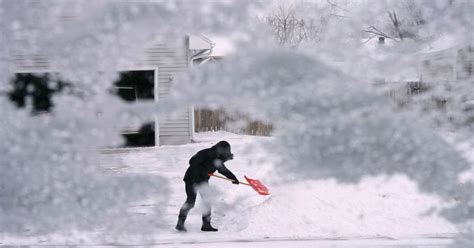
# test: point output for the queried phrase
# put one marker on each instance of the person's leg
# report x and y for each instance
(187, 206)
(206, 215)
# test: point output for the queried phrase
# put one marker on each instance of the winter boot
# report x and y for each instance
(206, 225)
(180, 226)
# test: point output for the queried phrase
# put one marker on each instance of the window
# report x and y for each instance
(37, 89)
(133, 86)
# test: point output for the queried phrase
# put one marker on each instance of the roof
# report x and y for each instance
(442, 43)
(199, 43)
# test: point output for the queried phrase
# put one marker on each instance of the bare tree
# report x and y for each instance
(291, 27)
(403, 23)
(288, 29)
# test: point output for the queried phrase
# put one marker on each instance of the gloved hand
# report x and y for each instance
(235, 182)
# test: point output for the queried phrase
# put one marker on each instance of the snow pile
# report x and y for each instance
(376, 207)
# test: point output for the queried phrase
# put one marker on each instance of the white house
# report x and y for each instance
(446, 59)
(156, 69)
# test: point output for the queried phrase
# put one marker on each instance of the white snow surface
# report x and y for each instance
(378, 208)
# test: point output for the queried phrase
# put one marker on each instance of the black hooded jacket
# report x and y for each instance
(208, 161)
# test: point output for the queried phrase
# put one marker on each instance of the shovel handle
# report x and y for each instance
(225, 178)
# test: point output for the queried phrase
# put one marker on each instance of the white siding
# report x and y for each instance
(438, 66)
(447, 65)
(170, 60)
(35, 62)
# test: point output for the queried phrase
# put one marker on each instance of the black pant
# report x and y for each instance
(191, 189)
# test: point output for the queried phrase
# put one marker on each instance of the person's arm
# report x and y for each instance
(226, 172)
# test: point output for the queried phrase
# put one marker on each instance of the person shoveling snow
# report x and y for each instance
(202, 164)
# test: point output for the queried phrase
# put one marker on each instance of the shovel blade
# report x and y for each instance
(258, 186)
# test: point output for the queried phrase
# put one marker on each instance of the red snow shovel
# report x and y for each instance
(255, 184)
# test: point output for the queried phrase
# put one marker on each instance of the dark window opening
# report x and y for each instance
(134, 86)
(36, 88)
(128, 94)
(144, 137)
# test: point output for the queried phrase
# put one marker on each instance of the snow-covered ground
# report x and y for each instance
(379, 211)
